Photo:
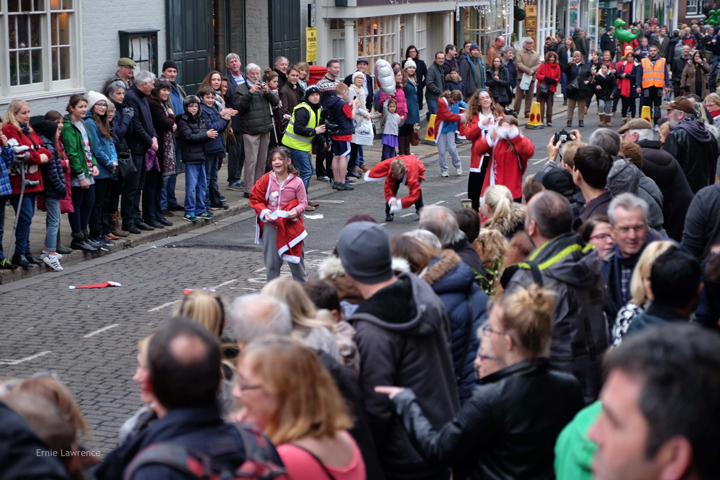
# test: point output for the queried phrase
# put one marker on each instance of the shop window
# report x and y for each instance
(377, 37)
(694, 7)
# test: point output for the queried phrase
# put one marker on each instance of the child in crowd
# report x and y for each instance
(192, 136)
(391, 128)
(342, 111)
(270, 77)
(78, 147)
(407, 169)
(605, 86)
(446, 124)
(66, 205)
(453, 81)
(7, 156)
(214, 149)
(55, 190)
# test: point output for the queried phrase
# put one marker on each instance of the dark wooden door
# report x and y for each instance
(190, 30)
(285, 30)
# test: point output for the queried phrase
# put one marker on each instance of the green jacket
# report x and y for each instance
(74, 147)
(574, 451)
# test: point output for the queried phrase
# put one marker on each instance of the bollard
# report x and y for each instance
(535, 122)
(431, 132)
(646, 114)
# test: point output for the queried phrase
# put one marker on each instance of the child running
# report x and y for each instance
(448, 114)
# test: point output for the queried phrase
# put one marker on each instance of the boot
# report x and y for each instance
(608, 120)
(602, 120)
(624, 121)
(115, 229)
(62, 249)
(586, 109)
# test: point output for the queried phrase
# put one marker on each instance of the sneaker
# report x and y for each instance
(107, 241)
(220, 206)
(190, 218)
(458, 172)
(345, 186)
(237, 186)
(58, 254)
(5, 264)
(444, 173)
(656, 129)
(207, 215)
(53, 262)
(354, 174)
(334, 185)
(324, 179)
(99, 244)
(309, 208)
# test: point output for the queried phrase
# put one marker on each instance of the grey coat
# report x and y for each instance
(254, 110)
(625, 177)
(435, 84)
(391, 121)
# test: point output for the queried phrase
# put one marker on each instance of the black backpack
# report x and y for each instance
(262, 461)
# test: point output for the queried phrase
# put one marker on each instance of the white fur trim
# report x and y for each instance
(368, 178)
(400, 265)
(391, 201)
(293, 242)
(475, 170)
(331, 267)
(514, 132)
(263, 213)
(291, 259)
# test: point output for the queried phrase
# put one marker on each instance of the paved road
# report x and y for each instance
(89, 337)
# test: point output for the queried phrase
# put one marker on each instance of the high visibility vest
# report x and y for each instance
(295, 141)
(653, 76)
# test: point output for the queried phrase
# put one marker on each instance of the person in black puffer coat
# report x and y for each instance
(508, 427)
(578, 78)
(454, 282)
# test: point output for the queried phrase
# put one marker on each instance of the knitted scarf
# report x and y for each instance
(626, 82)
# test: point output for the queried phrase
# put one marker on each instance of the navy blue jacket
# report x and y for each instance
(122, 127)
(136, 105)
(335, 106)
(230, 100)
(213, 121)
(512, 70)
(201, 429)
(654, 315)
(454, 282)
(52, 174)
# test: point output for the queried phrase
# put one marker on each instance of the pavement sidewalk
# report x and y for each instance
(235, 200)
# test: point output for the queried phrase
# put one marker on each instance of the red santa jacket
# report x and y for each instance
(506, 167)
(473, 131)
(16, 137)
(415, 173)
(290, 233)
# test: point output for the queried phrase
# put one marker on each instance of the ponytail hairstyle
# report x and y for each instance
(285, 154)
(527, 316)
(447, 94)
(506, 214)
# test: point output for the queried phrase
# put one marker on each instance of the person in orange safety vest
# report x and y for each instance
(653, 78)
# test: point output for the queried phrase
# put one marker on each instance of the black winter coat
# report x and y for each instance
(192, 137)
(136, 106)
(506, 430)
(498, 88)
(581, 73)
(702, 224)
(677, 66)
(403, 337)
(697, 159)
(254, 110)
(608, 43)
(121, 128)
(608, 86)
(667, 173)
(52, 174)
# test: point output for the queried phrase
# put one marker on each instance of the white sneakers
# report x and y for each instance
(444, 173)
(458, 171)
(53, 262)
(657, 129)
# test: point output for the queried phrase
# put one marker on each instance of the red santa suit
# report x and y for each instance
(414, 176)
(506, 166)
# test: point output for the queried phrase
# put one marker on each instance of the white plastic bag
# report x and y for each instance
(363, 133)
(526, 81)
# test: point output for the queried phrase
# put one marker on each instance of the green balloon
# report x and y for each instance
(625, 36)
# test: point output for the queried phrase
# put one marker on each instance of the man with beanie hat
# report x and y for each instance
(168, 201)
(471, 71)
(403, 339)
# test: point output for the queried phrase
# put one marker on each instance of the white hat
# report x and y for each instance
(95, 97)
(358, 74)
(409, 63)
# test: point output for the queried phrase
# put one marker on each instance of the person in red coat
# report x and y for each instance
(509, 153)
(16, 127)
(548, 74)
(405, 169)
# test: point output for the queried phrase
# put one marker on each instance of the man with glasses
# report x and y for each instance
(629, 220)
(564, 264)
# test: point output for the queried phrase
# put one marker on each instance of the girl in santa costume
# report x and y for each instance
(407, 170)
(509, 153)
(279, 200)
(481, 114)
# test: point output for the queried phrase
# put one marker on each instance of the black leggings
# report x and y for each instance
(475, 184)
(628, 103)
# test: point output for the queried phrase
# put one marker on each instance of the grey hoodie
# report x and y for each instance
(625, 177)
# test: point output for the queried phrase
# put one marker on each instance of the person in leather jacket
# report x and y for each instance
(508, 427)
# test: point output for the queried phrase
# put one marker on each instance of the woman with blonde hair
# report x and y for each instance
(492, 247)
(503, 214)
(285, 390)
(640, 289)
(522, 407)
(205, 308)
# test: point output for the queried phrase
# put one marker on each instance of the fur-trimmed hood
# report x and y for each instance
(508, 226)
(448, 78)
(332, 267)
(448, 274)
(441, 266)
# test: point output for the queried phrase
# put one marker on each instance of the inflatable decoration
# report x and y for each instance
(385, 76)
(625, 36)
(713, 18)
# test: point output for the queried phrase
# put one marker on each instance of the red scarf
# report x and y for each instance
(626, 82)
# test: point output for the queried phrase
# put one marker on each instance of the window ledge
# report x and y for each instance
(41, 95)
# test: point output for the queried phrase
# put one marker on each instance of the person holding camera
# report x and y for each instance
(254, 100)
(304, 125)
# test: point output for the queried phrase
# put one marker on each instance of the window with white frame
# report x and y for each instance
(377, 39)
(421, 34)
(38, 46)
(694, 7)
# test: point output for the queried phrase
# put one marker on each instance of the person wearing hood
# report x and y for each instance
(303, 127)
(564, 264)
(692, 144)
(403, 338)
(453, 81)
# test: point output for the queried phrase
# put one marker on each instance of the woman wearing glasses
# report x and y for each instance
(598, 231)
(508, 427)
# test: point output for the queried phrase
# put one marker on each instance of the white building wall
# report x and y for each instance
(257, 33)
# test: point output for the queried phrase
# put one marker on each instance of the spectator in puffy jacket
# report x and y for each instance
(453, 81)
(253, 102)
(55, 190)
(215, 148)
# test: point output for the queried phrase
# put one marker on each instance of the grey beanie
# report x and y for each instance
(364, 250)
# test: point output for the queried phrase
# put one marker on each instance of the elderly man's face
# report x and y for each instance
(629, 231)
(126, 72)
(253, 75)
(528, 46)
(234, 66)
(282, 65)
(146, 88)
(629, 136)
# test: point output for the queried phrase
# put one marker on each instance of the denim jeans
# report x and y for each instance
(22, 234)
(432, 106)
(360, 158)
(563, 80)
(212, 194)
(52, 221)
(167, 198)
(3, 202)
(303, 162)
(195, 187)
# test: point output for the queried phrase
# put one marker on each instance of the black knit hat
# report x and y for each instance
(169, 64)
(46, 128)
(191, 99)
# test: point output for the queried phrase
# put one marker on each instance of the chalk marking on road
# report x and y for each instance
(225, 283)
(332, 201)
(383, 224)
(250, 289)
(164, 305)
(259, 270)
(309, 251)
(327, 252)
(92, 334)
(256, 280)
(22, 360)
(438, 203)
(461, 194)
(411, 213)
(541, 160)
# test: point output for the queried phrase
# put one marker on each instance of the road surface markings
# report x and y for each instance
(92, 334)
(22, 360)
(461, 194)
(438, 203)
(224, 283)
(309, 251)
(331, 201)
(383, 224)
(408, 214)
(164, 305)
(541, 160)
